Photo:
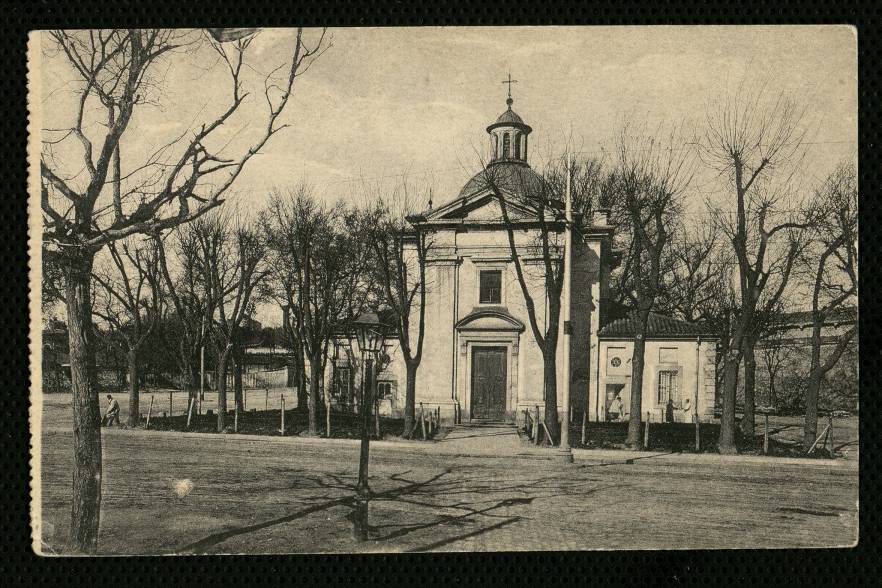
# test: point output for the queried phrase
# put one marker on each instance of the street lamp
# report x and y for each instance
(369, 333)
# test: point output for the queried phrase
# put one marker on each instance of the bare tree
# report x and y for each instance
(748, 139)
(399, 251)
(321, 262)
(129, 298)
(184, 285)
(232, 262)
(833, 261)
(653, 170)
(118, 71)
(776, 352)
(535, 208)
(695, 273)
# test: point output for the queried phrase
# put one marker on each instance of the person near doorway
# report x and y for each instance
(688, 412)
(614, 412)
(669, 411)
(112, 413)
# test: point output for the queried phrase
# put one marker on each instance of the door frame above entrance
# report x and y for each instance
(467, 343)
(488, 327)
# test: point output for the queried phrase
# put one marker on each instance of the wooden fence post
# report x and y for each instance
(236, 420)
(646, 431)
(377, 419)
(149, 411)
(422, 421)
(244, 399)
(584, 426)
(266, 400)
(536, 424)
(282, 429)
(823, 435)
(328, 414)
(170, 413)
(766, 436)
(190, 411)
(547, 434)
(830, 434)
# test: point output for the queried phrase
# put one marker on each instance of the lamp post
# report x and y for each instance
(564, 411)
(369, 332)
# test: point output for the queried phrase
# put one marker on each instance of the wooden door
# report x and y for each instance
(488, 382)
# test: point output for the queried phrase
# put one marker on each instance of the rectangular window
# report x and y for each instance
(384, 390)
(668, 387)
(343, 379)
(491, 287)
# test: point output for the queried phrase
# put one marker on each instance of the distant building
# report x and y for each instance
(784, 358)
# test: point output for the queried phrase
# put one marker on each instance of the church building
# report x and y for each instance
(481, 359)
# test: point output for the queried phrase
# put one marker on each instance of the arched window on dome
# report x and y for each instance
(525, 148)
(506, 145)
(517, 145)
(495, 146)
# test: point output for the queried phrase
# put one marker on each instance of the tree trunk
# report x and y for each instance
(189, 371)
(315, 367)
(134, 389)
(86, 498)
(300, 364)
(635, 439)
(812, 393)
(222, 388)
(238, 360)
(550, 374)
(748, 426)
(410, 401)
(726, 443)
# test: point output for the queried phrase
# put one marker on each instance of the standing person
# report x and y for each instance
(614, 412)
(112, 413)
(688, 413)
(669, 411)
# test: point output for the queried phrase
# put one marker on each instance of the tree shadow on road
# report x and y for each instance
(442, 502)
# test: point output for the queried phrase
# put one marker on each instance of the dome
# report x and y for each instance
(514, 177)
(509, 116)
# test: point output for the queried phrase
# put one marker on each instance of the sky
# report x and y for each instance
(383, 103)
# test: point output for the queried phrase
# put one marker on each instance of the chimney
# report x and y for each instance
(600, 218)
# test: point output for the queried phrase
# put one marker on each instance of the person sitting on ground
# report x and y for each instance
(112, 413)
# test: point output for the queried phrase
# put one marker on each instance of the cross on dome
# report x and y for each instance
(508, 135)
(509, 81)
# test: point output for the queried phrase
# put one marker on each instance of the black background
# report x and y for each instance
(18, 564)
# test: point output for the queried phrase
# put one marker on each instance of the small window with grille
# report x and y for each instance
(669, 387)
(384, 390)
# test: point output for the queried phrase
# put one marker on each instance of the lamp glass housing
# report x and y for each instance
(369, 332)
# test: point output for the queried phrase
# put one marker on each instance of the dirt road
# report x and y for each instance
(165, 493)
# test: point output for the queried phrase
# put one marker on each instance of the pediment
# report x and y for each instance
(496, 319)
(480, 208)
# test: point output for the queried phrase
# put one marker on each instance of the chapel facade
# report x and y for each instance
(481, 359)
